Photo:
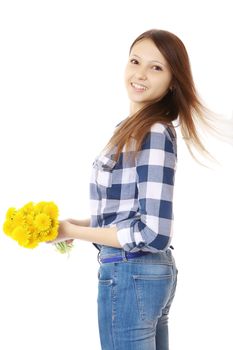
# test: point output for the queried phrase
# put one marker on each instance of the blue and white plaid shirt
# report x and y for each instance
(137, 197)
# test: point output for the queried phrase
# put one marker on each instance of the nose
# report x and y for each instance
(141, 73)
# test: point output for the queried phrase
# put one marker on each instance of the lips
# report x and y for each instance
(138, 87)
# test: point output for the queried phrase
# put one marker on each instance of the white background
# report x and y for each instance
(61, 95)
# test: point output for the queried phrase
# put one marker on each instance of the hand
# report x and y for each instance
(63, 233)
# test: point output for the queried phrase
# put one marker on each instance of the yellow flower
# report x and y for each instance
(29, 220)
(10, 213)
(38, 208)
(42, 236)
(55, 224)
(34, 223)
(21, 235)
(52, 234)
(19, 219)
(42, 222)
(27, 208)
(8, 227)
(35, 235)
(51, 209)
(31, 244)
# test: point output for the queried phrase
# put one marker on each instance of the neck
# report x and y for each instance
(134, 108)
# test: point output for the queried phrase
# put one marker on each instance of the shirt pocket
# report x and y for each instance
(104, 168)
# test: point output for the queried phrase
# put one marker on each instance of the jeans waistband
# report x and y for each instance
(123, 256)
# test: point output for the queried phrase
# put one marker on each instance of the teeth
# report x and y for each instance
(138, 86)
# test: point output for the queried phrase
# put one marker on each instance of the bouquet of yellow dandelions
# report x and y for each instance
(33, 224)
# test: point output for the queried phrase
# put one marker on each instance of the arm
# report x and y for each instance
(104, 236)
(85, 222)
(80, 229)
(151, 229)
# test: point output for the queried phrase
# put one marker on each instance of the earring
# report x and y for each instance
(172, 90)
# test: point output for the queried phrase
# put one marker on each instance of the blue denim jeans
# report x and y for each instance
(134, 298)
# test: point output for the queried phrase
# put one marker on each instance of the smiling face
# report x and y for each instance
(147, 75)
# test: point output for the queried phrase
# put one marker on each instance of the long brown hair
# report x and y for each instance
(182, 101)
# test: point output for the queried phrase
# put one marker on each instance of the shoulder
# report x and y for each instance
(161, 132)
(158, 128)
(162, 137)
(167, 129)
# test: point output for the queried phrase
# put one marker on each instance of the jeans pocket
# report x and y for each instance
(152, 293)
(105, 276)
(104, 290)
(105, 282)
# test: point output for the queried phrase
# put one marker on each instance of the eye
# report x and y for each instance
(133, 61)
(158, 68)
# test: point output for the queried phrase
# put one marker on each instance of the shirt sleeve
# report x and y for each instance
(151, 228)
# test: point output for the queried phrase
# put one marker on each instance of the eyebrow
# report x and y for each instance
(163, 64)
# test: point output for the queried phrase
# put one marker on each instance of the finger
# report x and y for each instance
(70, 241)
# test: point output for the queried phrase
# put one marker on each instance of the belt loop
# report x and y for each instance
(98, 257)
(124, 256)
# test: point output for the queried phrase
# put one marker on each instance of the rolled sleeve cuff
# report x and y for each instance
(129, 239)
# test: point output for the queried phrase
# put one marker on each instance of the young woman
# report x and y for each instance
(131, 194)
